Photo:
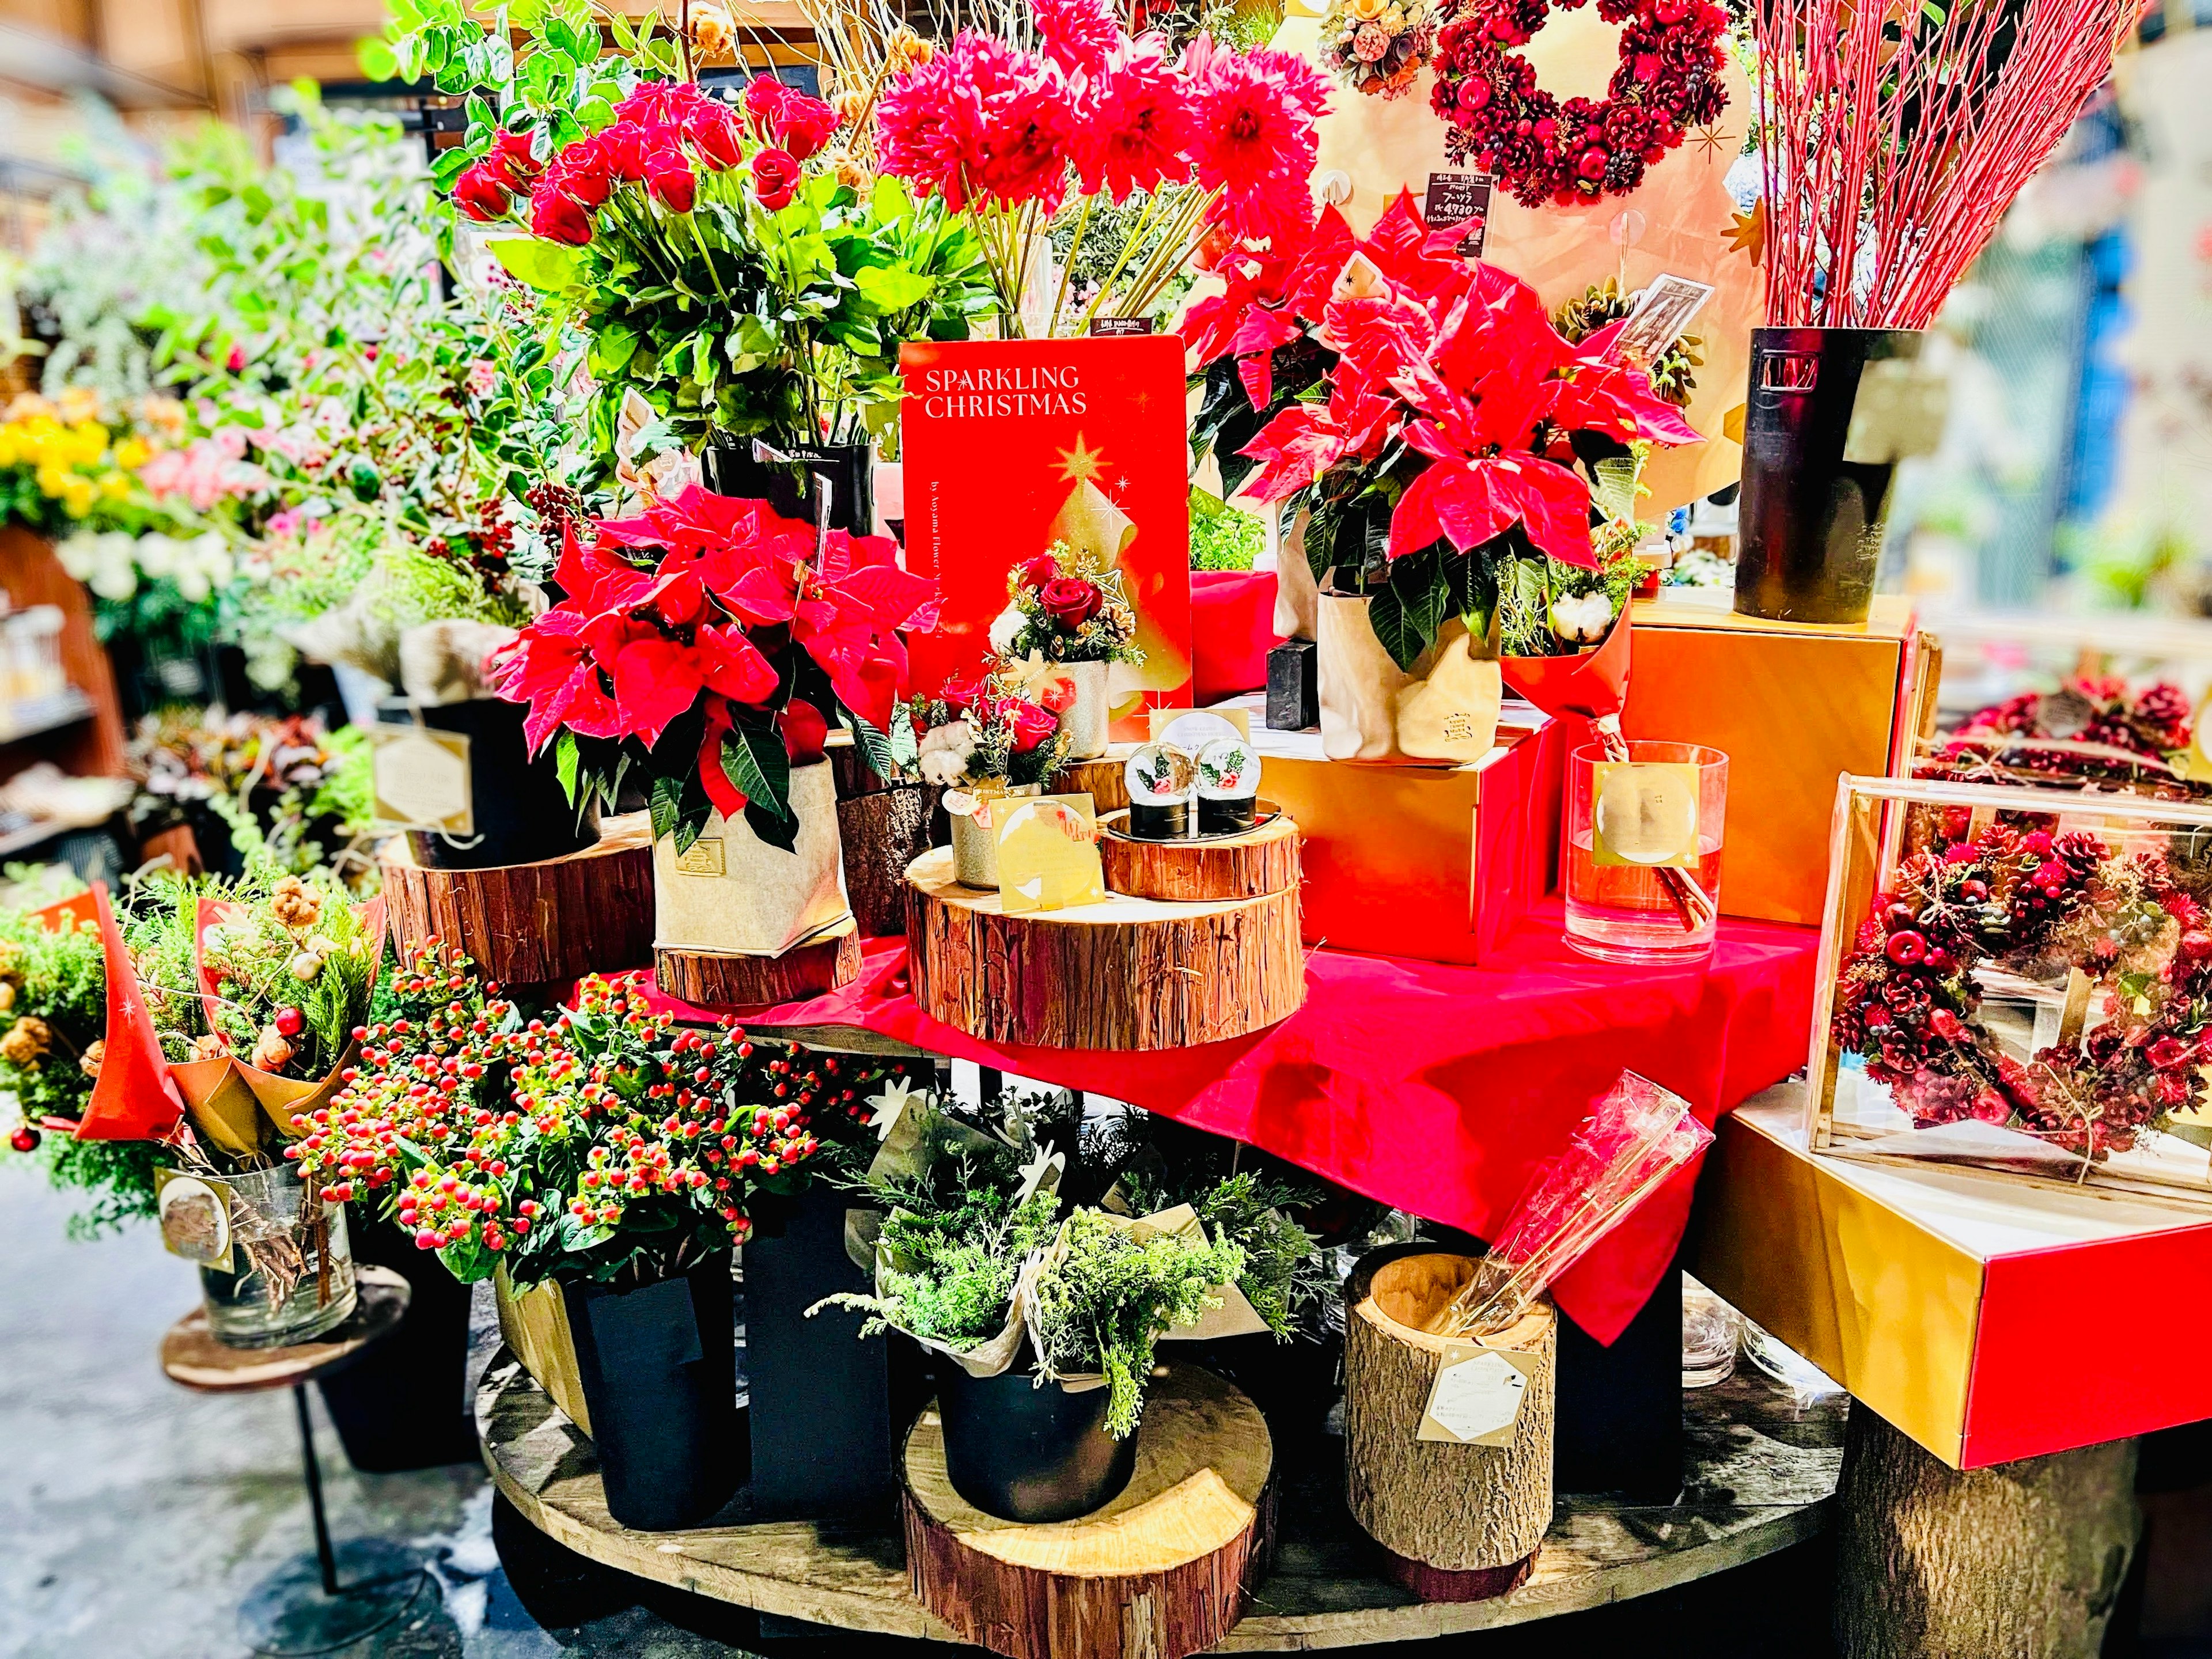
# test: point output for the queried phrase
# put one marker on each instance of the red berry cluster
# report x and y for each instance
(1542, 150)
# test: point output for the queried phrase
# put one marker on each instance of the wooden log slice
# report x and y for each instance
(1251, 865)
(1467, 1511)
(716, 979)
(1128, 973)
(525, 924)
(881, 832)
(1162, 1571)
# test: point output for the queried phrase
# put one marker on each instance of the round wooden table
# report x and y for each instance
(1760, 1475)
(307, 1608)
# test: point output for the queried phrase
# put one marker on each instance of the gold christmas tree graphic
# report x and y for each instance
(1091, 522)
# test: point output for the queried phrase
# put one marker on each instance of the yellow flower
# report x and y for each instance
(1395, 20)
(131, 454)
(52, 480)
(1366, 10)
(115, 486)
(76, 497)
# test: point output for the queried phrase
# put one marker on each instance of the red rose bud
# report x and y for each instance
(961, 695)
(713, 132)
(1071, 601)
(482, 194)
(559, 218)
(627, 150)
(805, 124)
(1040, 571)
(673, 185)
(765, 98)
(1031, 725)
(775, 178)
(803, 732)
(513, 159)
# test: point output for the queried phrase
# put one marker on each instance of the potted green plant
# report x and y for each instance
(1048, 1325)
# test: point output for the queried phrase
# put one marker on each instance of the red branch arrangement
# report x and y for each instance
(1890, 157)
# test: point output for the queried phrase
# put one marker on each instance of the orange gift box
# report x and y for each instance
(1793, 706)
(1949, 1301)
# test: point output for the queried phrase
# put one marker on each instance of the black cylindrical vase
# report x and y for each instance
(1030, 1454)
(659, 1365)
(730, 469)
(521, 812)
(1815, 483)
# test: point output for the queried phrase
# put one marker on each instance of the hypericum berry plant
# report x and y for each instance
(609, 1144)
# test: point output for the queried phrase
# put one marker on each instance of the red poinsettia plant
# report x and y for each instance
(1423, 408)
(709, 642)
(1220, 144)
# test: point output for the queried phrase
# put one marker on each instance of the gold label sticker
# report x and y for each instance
(1643, 813)
(704, 858)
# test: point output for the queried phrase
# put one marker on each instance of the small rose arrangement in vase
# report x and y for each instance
(1065, 611)
(1378, 47)
(984, 737)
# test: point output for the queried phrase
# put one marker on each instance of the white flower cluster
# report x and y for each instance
(944, 752)
(1583, 619)
(112, 562)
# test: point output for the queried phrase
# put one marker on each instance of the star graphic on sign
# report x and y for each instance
(1746, 232)
(1712, 140)
(894, 1099)
(1082, 463)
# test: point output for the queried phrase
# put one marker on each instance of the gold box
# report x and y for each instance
(1793, 706)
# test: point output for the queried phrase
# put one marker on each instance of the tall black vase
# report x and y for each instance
(730, 468)
(659, 1365)
(818, 1399)
(403, 1405)
(1831, 412)
(522, 813)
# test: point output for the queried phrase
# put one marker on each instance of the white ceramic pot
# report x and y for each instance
(1085, 721)
(975, 841)
(734, 893)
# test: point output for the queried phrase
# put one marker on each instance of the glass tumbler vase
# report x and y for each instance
(1642, 864)
(280, 1270)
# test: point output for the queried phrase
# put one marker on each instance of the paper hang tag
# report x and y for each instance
(195, 1220)
(1643, 814)
(1460, 200)
(1041, 1175)
(1661, 317)
(421, 779)
(1477, 1397)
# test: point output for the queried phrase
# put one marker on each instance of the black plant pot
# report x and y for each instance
(730, 468)
(403, 1405)
(522, 813)
(1815, 491)
(1030, 1454)
(659, 1365)
(818, 1398)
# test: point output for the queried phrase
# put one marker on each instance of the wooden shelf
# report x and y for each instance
(1759, 1475)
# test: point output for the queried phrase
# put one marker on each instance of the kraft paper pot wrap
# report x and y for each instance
(734, 893)
(1680, 220)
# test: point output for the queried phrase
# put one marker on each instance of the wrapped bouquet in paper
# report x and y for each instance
(706, 646)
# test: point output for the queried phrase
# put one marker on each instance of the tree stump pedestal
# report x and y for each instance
(590, 912)
(716, 979)
(1126, 973)
(1253, 865)
(1459, 1521)
(1163, 1570)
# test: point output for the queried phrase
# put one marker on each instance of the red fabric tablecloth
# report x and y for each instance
(1440, 1088)
(1232, 628)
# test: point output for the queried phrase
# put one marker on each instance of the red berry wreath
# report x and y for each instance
(1669, 80)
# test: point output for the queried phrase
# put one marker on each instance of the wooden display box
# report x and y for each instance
(1793, 706)
(1988, 1321)
(1435, 862)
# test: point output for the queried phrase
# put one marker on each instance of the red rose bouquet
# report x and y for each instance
(1219, 143)
(1064, 607)
(726, 266)
(719, 665)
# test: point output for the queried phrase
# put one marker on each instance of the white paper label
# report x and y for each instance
(421, 779)
(1476, 1397)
